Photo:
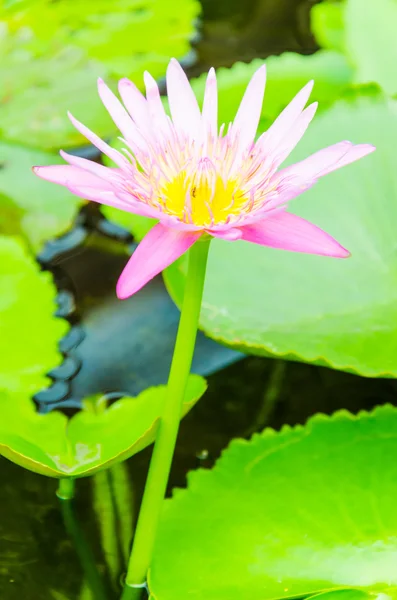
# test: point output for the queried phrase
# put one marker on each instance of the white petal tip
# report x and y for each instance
(125, 82)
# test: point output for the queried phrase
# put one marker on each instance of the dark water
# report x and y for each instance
(37, 559)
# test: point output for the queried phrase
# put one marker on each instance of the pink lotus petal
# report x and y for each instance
(184, 108)
(296, 179)
(247, 118)
(156, 108)
(210, 104)
(276, 133)
(296, 133)
(115, 156)
(121, 118)
(158, 249)
(137, 106)
(327, 160)
(289, 232)
(107, 173)
(104, 197)
(230, 234)
(68, 175)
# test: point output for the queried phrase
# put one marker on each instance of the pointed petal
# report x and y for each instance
(327, 160)
(136, 104)
(270, 140)
(68, 175)
(210, 104)
(158, 249)
(107, 173)
(289, 232)
(296, 179)
(247, 118)
(296, 133)
(184, 108)
(108, 198)
(121, 118)
(156, 108)
(115, 156)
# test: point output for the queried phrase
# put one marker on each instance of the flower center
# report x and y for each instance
(203, 198)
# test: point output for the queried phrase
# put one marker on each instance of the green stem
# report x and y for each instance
(163, 452)
(65, 494)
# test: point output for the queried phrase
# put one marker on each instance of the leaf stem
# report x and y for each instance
(65, 493)
(163, 452)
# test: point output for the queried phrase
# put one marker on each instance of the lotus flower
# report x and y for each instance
(198, 180)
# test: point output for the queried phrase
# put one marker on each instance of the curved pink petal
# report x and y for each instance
(136, 104)
(295, 134)
(115, 156)
(158, 249)
(296, 179)
(327, 160)
(289, 232)
(247, 118)
(121, 118)
(107, 173)
(184, 108)
(210, 103)
(276, 133)
(230, 234)
(156, 108)
(68, 175)
(104, 197)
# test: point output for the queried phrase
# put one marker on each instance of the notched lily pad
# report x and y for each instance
(93, 439)
(310, 509)
(29, 332)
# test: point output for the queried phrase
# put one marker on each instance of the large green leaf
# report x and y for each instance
(306, 510)
(342, 313)
(287, 74)
(28, 330)
(52, 54)
(93, 439)
(327, 23)
(371, 41)
(48, 210)
(365, 32)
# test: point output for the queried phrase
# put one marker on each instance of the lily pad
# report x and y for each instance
(29, 332)
(48, 209)
(52, 54)
(366, 33)
(340, 313)
(93, 439)
(327, 24)
(11, 216)
(307, 510)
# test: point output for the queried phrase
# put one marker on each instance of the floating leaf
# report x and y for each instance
(327, 23)
(11, 216)
(365, 32)
(93, 439)
(48, 209)
(52, 54)
(28, 330)
(371, 41)
(306, 510)
(342, 313)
